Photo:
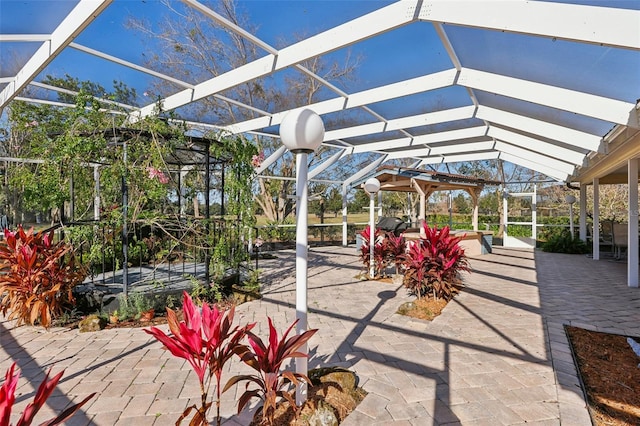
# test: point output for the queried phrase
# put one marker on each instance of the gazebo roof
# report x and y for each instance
(405, 180)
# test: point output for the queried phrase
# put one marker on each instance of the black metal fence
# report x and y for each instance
(179, 247)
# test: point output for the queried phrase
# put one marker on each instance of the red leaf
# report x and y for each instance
(7, 394)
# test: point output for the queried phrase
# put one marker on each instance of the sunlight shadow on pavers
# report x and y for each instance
(23, 359)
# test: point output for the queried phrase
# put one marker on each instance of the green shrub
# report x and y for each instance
(563, 242)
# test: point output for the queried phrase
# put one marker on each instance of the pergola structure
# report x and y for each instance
(426, 182)
(550, 86)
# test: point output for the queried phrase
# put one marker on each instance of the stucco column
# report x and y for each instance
(632, 242)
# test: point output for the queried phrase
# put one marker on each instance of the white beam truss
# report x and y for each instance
(542, 168)
(326, 164)
(465, 147)
(73, 24)
(549, 149)
(365, 171)
(491, 155)
(535, 157)
(545, 129)
(420, 141)
(599, 107)
(426, 119)
(382, 93)
(381, 20)
(25, 37)
(271, 159)
(587, 24)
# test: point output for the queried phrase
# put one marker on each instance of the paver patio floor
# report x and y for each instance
(497, 355)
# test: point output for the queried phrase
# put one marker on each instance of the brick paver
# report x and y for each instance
(498, 355)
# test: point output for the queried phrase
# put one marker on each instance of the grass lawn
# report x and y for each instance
(328, 218)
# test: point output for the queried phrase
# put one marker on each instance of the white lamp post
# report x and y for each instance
(371, 186)
(302, 132)
(569, 198)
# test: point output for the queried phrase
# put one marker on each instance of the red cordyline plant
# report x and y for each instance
(207, 341)
(7, 399)
(267, 361)
(434, 263)
(379, 256)
(36, 276)
(393, 249)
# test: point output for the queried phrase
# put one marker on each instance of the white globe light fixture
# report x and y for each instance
(302, 132)
(371, 187)
(569, 198)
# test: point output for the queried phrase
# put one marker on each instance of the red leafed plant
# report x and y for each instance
(267, 361)
(36, 276)
(379, 255)
(394, 248)
(207, 341)
(434, 263)
(7, 399)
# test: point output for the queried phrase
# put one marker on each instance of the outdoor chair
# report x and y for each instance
(606, 235)
(620, 239)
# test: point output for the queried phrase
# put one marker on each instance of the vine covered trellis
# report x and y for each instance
(145, 182)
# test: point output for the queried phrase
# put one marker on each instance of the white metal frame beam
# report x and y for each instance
(548, 149)
(457, 148)
(545, 129)
(599, 107)
(535, 157)
(326, 164)
(378, 21)
(587, 24)
(422, 140)
(73, 24)
(490, 155)
(541, 168)
(379, 94)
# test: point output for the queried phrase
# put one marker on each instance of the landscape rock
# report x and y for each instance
(323, 416)
(92, 323)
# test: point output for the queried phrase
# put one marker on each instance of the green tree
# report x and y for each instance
(461, 204)
(359, 201)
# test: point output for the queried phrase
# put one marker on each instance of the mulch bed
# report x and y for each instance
(610, 373)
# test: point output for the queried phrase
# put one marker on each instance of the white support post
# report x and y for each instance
(534, 215)
(596, 219)
(302, 132)
(632, 235)
(505, 216)
(345, 240)
(379, 205)
(372, 237)
(302, 170)
(583, 212)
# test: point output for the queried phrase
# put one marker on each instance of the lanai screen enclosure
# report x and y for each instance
(542, 85)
